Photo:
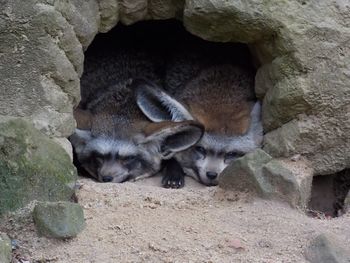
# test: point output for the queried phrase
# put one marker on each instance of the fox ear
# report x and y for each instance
(168, 138)
(79, 139)
(157, 105)
(255, 120)
(83, 118)
(253, 138)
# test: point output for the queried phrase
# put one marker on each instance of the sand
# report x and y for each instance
(142, 222)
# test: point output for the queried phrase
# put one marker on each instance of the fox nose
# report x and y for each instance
(107, 179)
(212, 175)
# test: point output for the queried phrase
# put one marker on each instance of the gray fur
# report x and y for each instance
(116, 148)
(216, 146)
(158, 106)
(224, 85)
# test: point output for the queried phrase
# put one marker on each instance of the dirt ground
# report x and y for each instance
(142, 222)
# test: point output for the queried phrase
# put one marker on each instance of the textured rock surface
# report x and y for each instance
(5, 249)
(59, 219)
(326, 248)
(269, 178)
(109, 12)
(347, 203)
(290, 182)
(303, 45)
(41, 61)
(32, 167)
(245, 173)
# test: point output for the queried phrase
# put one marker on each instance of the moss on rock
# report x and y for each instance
(5, 249)
(58, 219)
(32, 167)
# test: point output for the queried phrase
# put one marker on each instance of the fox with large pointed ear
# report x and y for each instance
(115, 142)
(222, 99)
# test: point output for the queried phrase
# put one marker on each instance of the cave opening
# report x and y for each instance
(162, 41)
(330, 195)
(117, 56)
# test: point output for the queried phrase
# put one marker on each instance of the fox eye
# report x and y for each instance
(99, 160)
(201, 150)
(98, 157)
(130, 158)
(131, 162)
(232, 155)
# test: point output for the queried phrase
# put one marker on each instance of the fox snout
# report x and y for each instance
(112, 172)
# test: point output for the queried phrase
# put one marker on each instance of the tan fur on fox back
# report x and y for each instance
(221, 98)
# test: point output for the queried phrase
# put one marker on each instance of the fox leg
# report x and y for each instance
(173, 174)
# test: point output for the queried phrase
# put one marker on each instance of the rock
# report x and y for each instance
(109, 13)
(304, 50)
(40, 66)
(132, 11)
(284, 101)
(326, 248)
(58, 219)
(263, 80)
(281, 142)
(32, 167)
(269, 178)
(83, 15)
(66, 145)
(165, 9)
(245, 173)
(303, 47)
(5, 249)
(347, 203)
(221, 20)
(293, 187)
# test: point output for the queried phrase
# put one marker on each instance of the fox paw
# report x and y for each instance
(174, 181)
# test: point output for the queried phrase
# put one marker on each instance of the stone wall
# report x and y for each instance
(303, 47)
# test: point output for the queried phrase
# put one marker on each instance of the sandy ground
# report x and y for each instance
(142, 222)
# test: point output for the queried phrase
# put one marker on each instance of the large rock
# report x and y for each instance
(137, 10)
(109, 12)
(347, 203)
(269, 178)
(59, 219)
(304, 48)
(40, 65)
(326, 248)
(32, 167)
(244, 174)
(288, 181)
(5, 249)
(132, 11)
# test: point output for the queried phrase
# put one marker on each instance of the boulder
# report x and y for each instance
(288, 181)
(302, 47)
(32, 167)
(304, 50)
(270, 178)
(109, 14)
(326, 248)
(245, 173)
(132, 11)
(58, 219)
(5, 248)
(347, 203)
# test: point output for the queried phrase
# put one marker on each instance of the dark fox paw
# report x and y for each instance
(174, 181)
(173, 175)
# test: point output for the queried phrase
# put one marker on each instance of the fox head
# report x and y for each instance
(132, 154)
(215, 150)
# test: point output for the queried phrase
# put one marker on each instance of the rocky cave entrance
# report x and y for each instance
(159, 40)
(163, 42)
(330, 195)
